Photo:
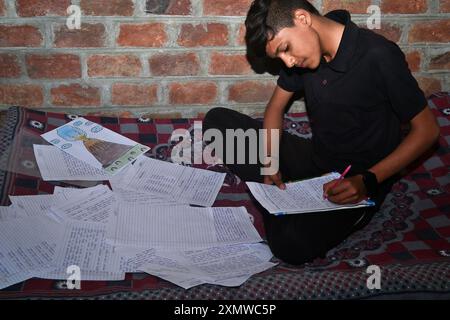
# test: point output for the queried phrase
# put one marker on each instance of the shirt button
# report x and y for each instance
(324, 82)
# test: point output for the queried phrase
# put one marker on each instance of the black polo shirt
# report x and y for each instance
(357, 101)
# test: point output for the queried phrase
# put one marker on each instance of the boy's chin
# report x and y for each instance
(313, 66)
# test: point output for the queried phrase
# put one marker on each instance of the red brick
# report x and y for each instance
(214, 34)
(55, 66)
(413, 58)
(107, 7)
(180, 7)
(134, 94)
(20, 36)
(251, 91)
(114, 66)
(402, 6)
(89, 36)
(9, 66)
(75, 95)
(389, 31)
(142, 35)
(21, 95)
(430, 31)
(429, 85)
(353, 6)
(186, 64)
(171, 7)
(2, 8)
(444, 6)
(229, 64)
(196, 92)
(226, 7)
(32, 8)
(441, 61)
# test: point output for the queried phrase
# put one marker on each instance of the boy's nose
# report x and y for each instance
(288, 61)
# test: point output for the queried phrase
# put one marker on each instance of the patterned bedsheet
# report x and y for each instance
(409, 238)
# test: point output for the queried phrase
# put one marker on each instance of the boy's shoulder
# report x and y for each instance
(376, 47)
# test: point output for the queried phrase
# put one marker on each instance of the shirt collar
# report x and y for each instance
(347, 46)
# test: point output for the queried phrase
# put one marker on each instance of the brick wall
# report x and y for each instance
(182, 57)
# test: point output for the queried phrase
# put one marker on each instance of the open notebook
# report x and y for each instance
(299, 197)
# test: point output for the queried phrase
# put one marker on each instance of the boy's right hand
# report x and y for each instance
(275, 179)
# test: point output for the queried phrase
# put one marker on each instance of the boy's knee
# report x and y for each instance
(294, 250)
(292, 254)
(214, 117)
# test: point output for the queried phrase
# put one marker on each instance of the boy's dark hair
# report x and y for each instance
(266, 18)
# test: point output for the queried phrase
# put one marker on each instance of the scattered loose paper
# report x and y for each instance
(40, 204)
(180, 227)
(55, 164)
(27, 248)
(84, 245)
(8, 213)
(96, 206)
(186, 185)
(145, 224)
(225, 265)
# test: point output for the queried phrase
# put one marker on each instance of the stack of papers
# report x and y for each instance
(144, 224)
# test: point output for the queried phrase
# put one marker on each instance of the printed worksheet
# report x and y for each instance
(84, 244)
(185, 185)
(9, 213)
(180, 227)
(95, 205)
(40, 204)
(55, 165)
(28, 248)
(95, 145)
(299, 197)
(229, 265)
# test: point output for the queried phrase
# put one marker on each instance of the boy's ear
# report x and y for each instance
(302, 17)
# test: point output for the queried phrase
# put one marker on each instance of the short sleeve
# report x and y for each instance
(403, 91)
(290, 80)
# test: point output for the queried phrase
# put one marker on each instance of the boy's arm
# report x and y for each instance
(273, 119)
(423, 134)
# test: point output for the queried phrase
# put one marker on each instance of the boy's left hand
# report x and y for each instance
(349, 190)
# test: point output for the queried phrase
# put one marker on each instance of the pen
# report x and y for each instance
(339, 179)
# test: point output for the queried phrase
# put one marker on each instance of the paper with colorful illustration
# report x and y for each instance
(96, 145)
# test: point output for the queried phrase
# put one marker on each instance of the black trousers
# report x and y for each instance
(296, 238)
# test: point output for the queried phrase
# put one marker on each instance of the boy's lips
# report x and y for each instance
(302, 64)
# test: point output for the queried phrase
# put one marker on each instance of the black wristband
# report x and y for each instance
(371, 183)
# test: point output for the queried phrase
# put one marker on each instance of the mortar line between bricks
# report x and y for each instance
(181, 49)
(205, 19)
(171, 79)
(159, 79)
(255, 106)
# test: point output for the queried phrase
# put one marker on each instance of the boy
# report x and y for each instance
(358, 90)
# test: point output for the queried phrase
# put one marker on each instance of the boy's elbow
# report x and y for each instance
(426, 125)
(432, 133)
(435, 131)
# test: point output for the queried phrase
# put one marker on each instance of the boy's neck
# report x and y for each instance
(330, 35)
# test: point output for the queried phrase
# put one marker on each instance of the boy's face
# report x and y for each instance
(298, 45)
